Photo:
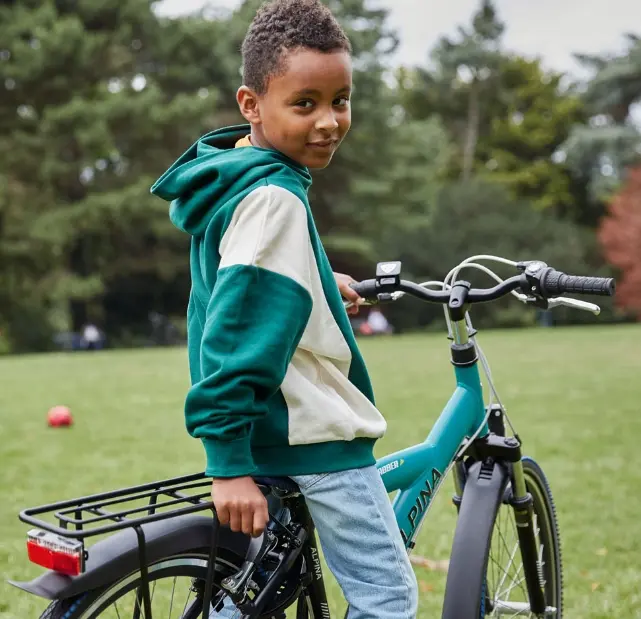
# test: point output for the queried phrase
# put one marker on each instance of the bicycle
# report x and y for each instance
(166, 539)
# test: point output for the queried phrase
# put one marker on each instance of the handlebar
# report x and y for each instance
(369, 289)
(537, 282)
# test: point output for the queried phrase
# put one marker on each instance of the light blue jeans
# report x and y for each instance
(361, 543)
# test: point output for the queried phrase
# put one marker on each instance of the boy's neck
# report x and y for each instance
(257, 138)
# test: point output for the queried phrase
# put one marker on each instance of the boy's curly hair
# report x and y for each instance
(284, 25)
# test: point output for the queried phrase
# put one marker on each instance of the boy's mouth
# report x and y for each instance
(323, 144)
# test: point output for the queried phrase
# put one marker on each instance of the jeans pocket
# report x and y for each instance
(307, 481)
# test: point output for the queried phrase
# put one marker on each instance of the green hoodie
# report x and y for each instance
(278, 384)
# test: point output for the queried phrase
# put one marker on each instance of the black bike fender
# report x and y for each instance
(483, 488)
(116, 556)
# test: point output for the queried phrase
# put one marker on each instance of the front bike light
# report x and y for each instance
(388, 276)
(55, 552)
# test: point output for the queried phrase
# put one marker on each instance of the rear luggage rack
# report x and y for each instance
(107, 512)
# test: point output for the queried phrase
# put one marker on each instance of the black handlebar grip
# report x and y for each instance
(365, 289)
(555, 282)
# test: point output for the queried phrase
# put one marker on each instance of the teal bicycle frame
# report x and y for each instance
(417, 471)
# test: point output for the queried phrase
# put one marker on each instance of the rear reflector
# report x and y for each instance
(55, 552)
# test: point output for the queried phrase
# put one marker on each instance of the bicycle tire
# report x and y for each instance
(92, 604)
(472, 554)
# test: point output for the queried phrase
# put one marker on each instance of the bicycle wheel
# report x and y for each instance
(486, 578)
(175, 589)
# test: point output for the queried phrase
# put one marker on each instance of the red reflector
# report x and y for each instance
(53, 560)
(55, 553)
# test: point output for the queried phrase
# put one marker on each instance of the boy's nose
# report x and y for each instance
(327, 122)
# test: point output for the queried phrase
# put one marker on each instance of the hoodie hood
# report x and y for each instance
(212, 171)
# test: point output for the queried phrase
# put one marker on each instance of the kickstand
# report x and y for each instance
(211, 566)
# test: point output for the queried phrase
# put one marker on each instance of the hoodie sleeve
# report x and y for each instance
(256, 315)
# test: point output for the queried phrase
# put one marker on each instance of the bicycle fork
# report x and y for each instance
(494, 449)
(521, 502)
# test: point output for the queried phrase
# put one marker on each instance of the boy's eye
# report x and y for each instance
(305, 104)
(342, 100)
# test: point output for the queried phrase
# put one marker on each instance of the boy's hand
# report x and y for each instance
(349, 294)
(240, 504)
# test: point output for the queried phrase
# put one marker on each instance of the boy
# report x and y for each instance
(279, 387)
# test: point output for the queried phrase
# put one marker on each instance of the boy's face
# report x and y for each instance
(305, 112)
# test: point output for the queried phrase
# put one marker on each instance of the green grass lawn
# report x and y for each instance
(574, 395)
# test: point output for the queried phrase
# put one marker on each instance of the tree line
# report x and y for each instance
(478, 150)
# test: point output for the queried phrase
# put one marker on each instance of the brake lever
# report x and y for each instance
(349, 304)
(384, 297)
(575, 304)
(557, 301)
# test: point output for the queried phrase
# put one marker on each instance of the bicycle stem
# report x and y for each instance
(460, 335)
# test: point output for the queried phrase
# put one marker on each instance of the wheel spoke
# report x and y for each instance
(512, 554)
(171, 601)
(187, 601)
(499, 530)
(515, 583)
(512, 585)
(507, 550)
(137, 605)
(505, 573)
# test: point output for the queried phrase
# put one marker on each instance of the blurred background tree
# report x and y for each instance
(85, 239)
(478, 149)
(460, 84)
(600, 151)
(620, 236)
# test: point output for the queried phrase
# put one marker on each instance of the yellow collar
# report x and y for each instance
(243, 142)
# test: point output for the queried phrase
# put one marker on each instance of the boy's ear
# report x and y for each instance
(248, 103)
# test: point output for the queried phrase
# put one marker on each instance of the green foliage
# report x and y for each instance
(478, 217)
(598, 156)
(481, 218)
(531, 120)
(460, 83)
(384, 208)
(598, 153)
(515, 118)
(616, 85)
(524, 118)
(81, 238)
(84, 146)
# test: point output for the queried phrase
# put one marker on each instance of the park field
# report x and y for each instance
(574, 395)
